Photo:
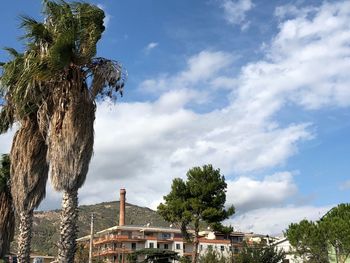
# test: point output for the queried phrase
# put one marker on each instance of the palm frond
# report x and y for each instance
(108, 77)
(35, 31)
(13, 52)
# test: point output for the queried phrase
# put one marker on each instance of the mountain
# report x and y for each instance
(46, 223)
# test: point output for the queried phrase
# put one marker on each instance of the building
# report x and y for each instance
(115, 243)
(291, 255)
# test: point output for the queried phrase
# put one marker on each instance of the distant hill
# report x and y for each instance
(46, 223)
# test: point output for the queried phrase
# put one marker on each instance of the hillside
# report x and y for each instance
(46, 224)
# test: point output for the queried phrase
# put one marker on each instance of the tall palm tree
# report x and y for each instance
(29, 168)
(61, 80)
(7, 215)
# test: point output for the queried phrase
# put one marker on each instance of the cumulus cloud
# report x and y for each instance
(235, 12)
(200, 68)
(247, 194)
(273, 221)
(142, 146)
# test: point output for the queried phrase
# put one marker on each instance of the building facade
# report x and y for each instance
(116, 243)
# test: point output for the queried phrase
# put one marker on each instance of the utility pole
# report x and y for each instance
(91, 237)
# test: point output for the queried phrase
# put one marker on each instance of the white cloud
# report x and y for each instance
(150, 46)
(248, 194)
(199, 69)
(143, 145)
(6, 141)
(344, 186)
(108, 16)
(273, 221)
(235, 12)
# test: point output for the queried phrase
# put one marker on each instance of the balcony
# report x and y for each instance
(117, 238)
(112, 251)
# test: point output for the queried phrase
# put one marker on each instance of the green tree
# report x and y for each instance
(153, 255)
(336, 226)
(212, 256)
(258, 253)
(309, 241)
(200, 199)
(7, 215)
(52, 89)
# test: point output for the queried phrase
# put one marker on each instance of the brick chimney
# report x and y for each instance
(122, 207)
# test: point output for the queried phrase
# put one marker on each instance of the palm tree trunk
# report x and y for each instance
(67, 245)
(7, 223)
(24, 236)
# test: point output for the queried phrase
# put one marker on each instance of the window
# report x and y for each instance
(151, 245)
(166, 235)
(166, 246)
(133, 246)
(158, 246)
(201, 248)
(178, 246)
(222, 248)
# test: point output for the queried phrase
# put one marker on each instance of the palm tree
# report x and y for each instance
(29, 168)
(60, 81)
(7, 215)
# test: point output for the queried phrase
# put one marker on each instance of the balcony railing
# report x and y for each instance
(112, 251)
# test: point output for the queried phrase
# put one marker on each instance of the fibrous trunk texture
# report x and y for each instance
(24, 236)
(29, 173)
(7, 223)
(71, 133)
(29, 168)
(68, 230)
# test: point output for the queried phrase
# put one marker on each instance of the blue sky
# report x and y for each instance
(259, 89)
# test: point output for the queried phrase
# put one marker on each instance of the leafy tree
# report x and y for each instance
(336, 226)
(51, 90)
(258, 253)
(153, 255)
(199, 199)
(7, 216)
(309, 241)
(212, 256)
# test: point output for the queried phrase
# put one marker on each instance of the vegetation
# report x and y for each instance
(46, 223)
(153, 255)
(199, 199)
(336, 226)
(316, 241)
(309, 241)
(50, 90)
(212, 256)
(7, 215)
(258, 253)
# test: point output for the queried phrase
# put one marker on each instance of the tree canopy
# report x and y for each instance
(258, 253)
(324, 239)
(200, 199)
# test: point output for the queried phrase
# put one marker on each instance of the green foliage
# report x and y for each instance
(314, 240)
(258, 253)
(46, 223)
(200, 199)
(336, 227)
(212, 256)
(153, 255)
(4, 172)
(184, 259)
(309, 241)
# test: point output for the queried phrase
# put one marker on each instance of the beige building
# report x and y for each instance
(115, 243)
